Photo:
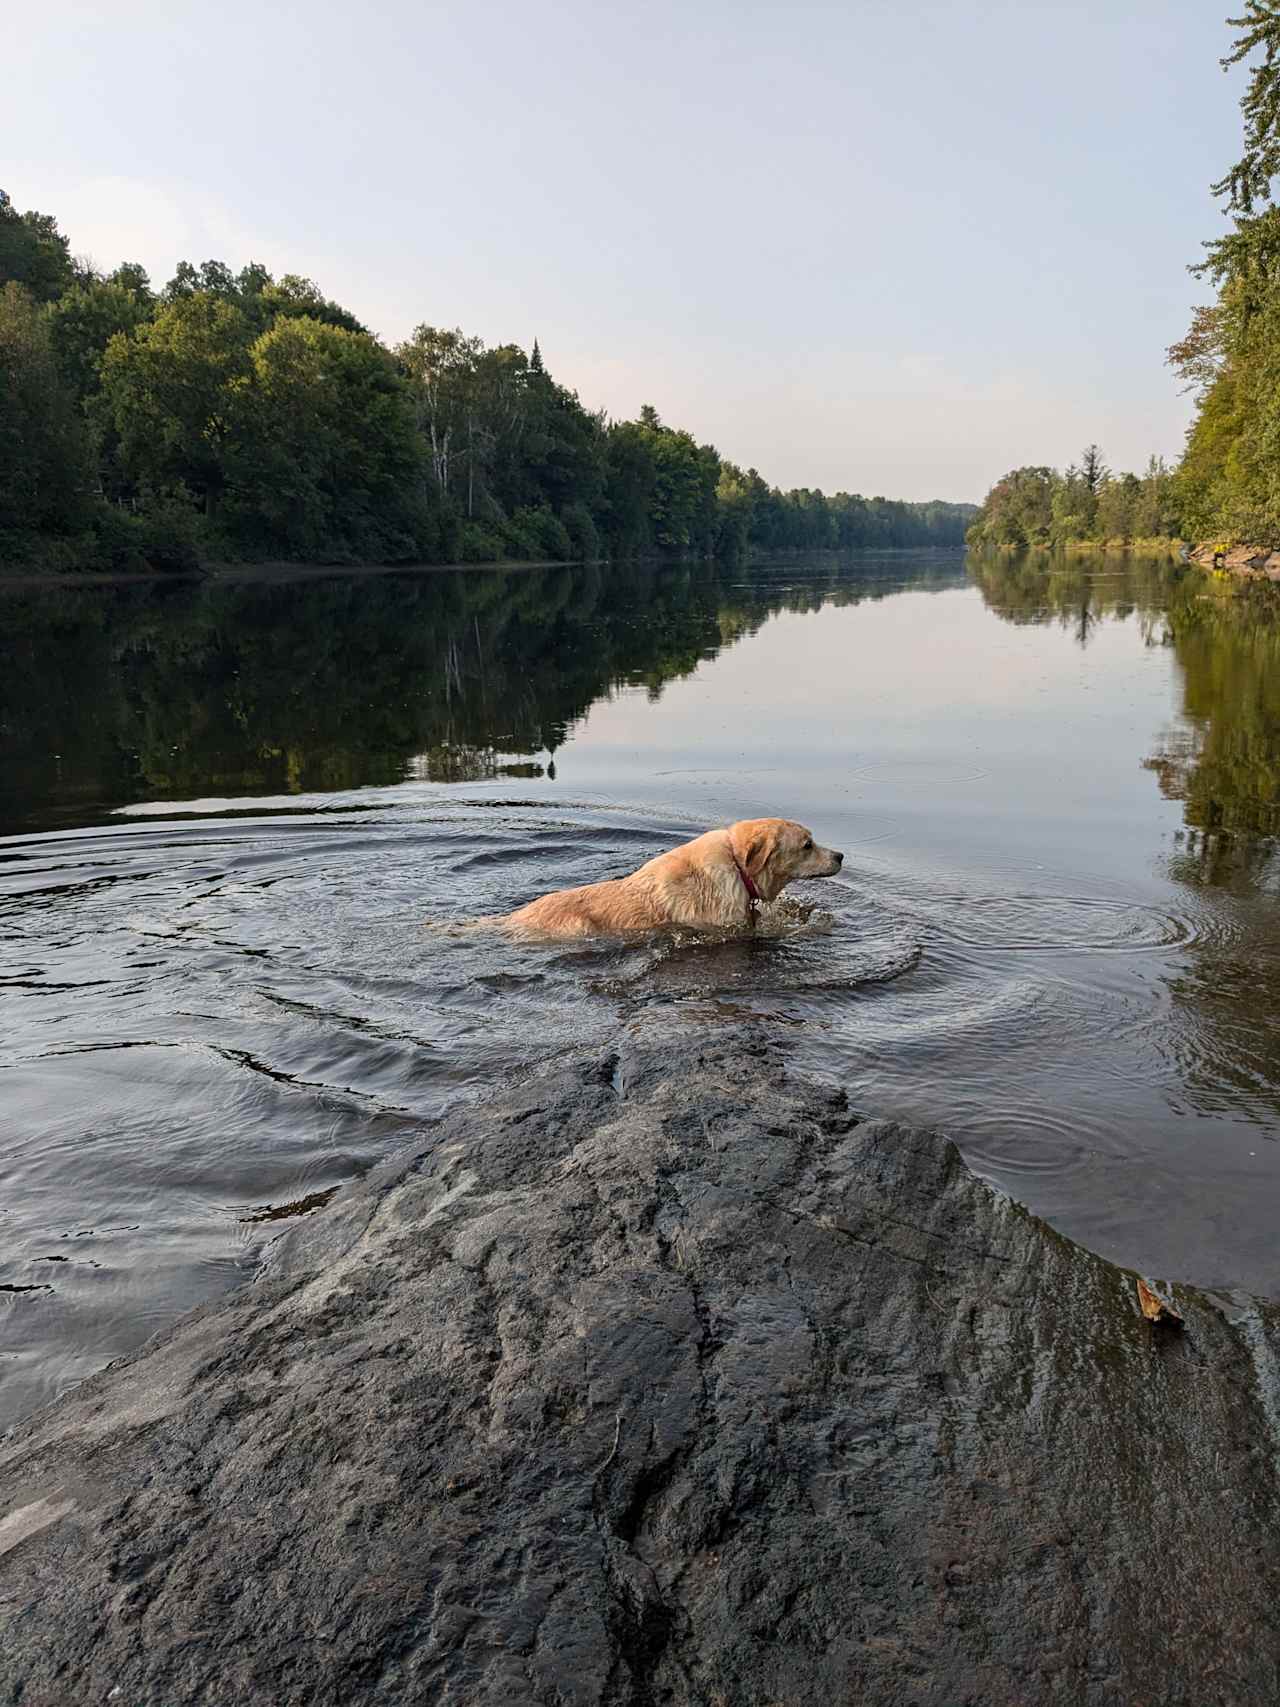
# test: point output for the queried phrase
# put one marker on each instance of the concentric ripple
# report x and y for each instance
(215, 1019)
(1033, 923)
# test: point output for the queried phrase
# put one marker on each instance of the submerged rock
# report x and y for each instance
(660, 1379)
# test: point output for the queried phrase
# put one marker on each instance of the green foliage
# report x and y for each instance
(584, 536)
(83, 321)
(682, 512)
(1228, 484)
(169, 392)
(249, 416)
(537, 533)
(44, 467)
(293, 297)
(1037, 507)
(1249, 180)
(321, 456)
(478, 543)
(33, 252)
(1018, 510)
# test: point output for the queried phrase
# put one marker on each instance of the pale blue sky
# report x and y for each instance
(887, 246)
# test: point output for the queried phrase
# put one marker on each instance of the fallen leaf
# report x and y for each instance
(1154, 1307)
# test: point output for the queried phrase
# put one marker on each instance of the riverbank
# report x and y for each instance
(284, 569)
(1163, 546)
(663, 1375)
(1253, 562)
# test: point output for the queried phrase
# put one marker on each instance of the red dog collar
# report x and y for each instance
(747, 884)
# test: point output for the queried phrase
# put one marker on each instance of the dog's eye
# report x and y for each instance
(807, 845)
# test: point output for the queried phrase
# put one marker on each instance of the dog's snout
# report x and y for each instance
(838, 857)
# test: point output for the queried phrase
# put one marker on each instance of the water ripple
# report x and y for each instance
(213, 1015)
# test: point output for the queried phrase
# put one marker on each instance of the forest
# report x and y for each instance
(1226, 487)
(1087, 504)
(234, 416)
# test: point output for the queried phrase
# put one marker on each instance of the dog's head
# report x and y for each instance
(774, 852)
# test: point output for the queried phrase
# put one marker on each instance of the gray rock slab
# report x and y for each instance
(660, 1378)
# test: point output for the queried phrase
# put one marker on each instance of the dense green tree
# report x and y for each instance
(1227, 485)
(321, 454)
(685, 477)
(44, 467)
(735, 509)
(261, 298)
(1249, 180)
(630, 479)
(212, 278)
(294, 297)
(33, 252)
(441, 366)
(1033, 507)
(133, 277)
(1093, 468)
(561, 446)
(1116, 512)
(237, 412)
(1018, 510)
(168, 390)
(83, 321)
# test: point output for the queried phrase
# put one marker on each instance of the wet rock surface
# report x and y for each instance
(660, 1378)
(1253, 561)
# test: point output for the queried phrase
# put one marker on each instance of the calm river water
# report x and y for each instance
(227, 809)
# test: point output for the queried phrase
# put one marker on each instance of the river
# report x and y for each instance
(237, 819)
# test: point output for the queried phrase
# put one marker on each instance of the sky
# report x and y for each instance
(886, 246)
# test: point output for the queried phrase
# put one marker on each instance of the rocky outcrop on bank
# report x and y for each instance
(1249, 560)
(660, 1378)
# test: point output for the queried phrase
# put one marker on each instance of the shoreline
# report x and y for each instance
(283, 570)
(1248, 562)
(1162, 546)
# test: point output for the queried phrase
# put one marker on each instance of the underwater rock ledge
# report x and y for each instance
(660, 1377)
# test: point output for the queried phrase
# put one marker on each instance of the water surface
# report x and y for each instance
(226, 812)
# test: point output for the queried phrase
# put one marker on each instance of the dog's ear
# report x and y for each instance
(756, 852)
(761, 846)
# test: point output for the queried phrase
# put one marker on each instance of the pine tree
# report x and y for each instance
(1249, 180)
(1093, 471)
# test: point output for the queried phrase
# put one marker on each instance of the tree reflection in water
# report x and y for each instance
(181, 690)
(1222, 764)
(1223, 760)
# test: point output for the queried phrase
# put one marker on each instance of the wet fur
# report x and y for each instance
(698, 886)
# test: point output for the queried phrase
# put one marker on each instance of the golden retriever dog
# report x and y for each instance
(710, 883)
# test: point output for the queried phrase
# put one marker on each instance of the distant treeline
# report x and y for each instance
(1041, 506)
(1226, 488)
(236, 415)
